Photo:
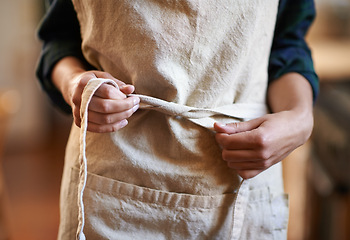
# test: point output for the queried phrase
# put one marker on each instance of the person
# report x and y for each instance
(159, 174)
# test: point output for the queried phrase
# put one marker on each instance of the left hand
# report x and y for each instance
(252, 147)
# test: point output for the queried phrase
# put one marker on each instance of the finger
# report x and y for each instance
(241, 156)
(127, 89)
(123, 87)
(107, 119)
(111, 92)
(238, 141)
(108, 91)
(256, 139)
(247, 174)
(93, 127)
(246, 166)
(101, 105)
(238, 127)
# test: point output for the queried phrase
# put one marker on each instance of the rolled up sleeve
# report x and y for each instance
(290, 52)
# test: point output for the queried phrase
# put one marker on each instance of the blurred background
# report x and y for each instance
(33, 133)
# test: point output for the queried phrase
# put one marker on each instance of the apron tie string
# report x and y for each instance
(204, 117)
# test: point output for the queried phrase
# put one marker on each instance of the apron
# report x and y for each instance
(162, 176)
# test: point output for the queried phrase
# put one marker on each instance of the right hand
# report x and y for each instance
(109, 108)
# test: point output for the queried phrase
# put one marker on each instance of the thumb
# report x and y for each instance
(237, 127)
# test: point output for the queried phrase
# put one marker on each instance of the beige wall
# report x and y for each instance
(19, 49)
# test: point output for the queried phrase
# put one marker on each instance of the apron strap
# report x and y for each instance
(236, 110)
(88, 92)
(204, 117)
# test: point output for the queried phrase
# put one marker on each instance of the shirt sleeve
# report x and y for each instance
(59, 31)
(290, 52)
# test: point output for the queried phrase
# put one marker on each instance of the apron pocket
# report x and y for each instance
(119, 210)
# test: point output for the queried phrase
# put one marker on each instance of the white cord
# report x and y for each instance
(88, 92)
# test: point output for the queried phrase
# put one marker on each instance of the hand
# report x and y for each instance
(109, 107)
(252, 147)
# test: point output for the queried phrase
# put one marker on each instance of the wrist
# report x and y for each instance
(63, 75)
(292, 95)
(290, 92)
(301, 122)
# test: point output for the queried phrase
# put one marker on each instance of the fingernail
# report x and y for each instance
(221, 125)
(122, 86)
(123, 123)
(134, 108)
(136, 100)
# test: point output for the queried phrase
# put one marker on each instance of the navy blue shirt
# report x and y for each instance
(60, 33)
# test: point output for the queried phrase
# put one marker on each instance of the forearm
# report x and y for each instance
(63, 74)
(292, 93)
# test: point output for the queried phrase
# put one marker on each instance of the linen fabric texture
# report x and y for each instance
(289, 52)
(162, 176)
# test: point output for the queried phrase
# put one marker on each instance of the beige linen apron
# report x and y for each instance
(162, 176)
